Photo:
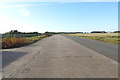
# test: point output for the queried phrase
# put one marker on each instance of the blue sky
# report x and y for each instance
(58, 16)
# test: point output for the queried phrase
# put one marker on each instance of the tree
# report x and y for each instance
(116, 31)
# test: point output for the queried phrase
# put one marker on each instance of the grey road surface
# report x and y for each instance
(57, 57)
(107, 49)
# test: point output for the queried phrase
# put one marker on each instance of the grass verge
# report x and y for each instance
(113, 38)
(14, 42)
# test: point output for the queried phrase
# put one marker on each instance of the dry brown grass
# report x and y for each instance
(12, 42)
(95, 34)
(113, 38)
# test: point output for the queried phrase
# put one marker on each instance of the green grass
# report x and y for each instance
(33, 39)
(113, 38)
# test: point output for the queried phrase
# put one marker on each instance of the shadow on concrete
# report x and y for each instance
(107, 49)
(10, 56)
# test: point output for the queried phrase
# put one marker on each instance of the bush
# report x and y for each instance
(6, 43)
(17, 41)
(12, 42)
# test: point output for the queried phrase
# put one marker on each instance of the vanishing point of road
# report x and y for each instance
(61, 56)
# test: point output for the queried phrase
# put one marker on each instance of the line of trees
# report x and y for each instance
(17, 32)
(116, 31)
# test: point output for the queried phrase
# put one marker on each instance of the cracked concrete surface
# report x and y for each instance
(59, 57)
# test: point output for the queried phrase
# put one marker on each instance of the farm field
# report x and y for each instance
(13, 42)
(113, 38)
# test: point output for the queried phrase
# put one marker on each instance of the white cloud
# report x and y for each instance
(10, 3)
(13, 4)
(17, 5)
(24, 12)
(8, 24)
(62, 0)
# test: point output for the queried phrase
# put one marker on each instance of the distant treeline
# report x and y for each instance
(62, 32)
(15, 33)
(105, 32)
(80, 32)
(116, 31)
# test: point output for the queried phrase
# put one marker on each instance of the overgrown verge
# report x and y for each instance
(109, 38)
(14, 42)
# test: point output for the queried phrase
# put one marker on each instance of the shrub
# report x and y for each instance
(12, 42)
(17, 41)
(6, 43)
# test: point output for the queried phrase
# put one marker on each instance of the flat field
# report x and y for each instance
(113, 38)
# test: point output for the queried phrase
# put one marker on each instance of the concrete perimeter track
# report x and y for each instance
(57, 57)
